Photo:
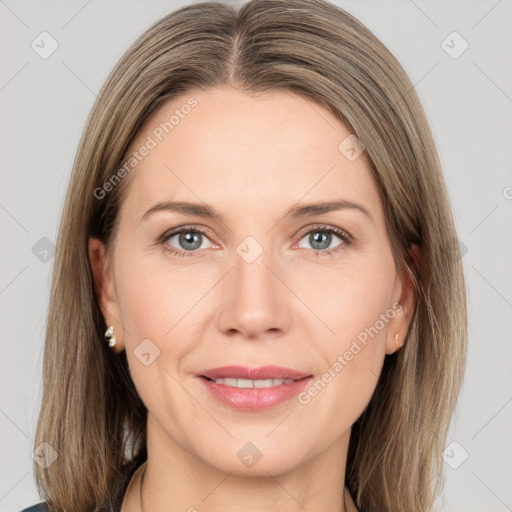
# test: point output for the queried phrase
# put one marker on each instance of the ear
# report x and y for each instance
(404, 295)
(105, 289)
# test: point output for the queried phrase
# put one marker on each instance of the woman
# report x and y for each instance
(257, 303)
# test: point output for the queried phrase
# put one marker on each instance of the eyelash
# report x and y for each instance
(345, 237)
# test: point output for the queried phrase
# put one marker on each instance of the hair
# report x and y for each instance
(91, 412)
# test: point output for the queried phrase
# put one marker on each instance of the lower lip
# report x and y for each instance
(255, 399)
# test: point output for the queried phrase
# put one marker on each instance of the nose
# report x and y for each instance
(253, 301)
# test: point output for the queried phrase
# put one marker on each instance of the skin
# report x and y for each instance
(251, 157)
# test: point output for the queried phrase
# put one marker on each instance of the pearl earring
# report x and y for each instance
(396, 339)
(109, 336)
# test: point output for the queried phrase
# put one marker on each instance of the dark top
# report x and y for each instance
(113, 505)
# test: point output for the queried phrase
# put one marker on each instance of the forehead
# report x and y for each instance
(233, 149)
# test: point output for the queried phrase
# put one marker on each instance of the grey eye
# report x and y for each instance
(188, 240)
(320, 239)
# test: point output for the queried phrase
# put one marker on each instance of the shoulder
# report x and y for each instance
(40, 507)
(118, 492)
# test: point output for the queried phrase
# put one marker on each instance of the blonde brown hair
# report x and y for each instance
(91, 412)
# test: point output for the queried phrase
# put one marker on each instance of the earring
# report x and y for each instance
(109, 336)
(396, 339)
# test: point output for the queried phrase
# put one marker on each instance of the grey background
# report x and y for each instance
(468, 100)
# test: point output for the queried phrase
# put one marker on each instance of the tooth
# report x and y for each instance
(248, 383)
(263, 383)
(244, 383)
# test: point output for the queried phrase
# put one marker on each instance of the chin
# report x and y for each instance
(254, 458)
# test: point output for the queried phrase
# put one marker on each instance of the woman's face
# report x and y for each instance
(258, 277)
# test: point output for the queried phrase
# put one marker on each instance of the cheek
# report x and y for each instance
(355, 305)
(153, 295)
(347, 299)
(153, 307)
(160, 303)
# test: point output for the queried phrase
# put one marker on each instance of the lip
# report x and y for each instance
(244, 372)
(254, 399)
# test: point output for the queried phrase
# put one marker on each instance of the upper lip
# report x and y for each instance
(261, 373)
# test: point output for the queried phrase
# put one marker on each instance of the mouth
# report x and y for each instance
(253, 389)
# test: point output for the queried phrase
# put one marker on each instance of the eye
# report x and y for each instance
(321, 237)
(187, 241)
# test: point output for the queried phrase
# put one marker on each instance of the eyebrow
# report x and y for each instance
(206, 211)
